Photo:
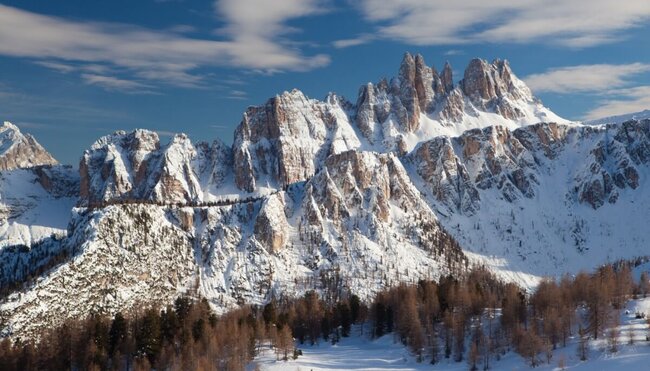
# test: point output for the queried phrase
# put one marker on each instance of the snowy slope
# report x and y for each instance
(541, 200)
(358, 352)
(645, 114)
(29, 211)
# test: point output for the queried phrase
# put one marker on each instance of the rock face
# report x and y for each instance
(364, 196)
(458, 169)
(133, 166)
(21, 151)
(271, 227)
(615, 163)
(283, 141)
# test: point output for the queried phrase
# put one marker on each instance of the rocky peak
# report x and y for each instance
(18, 150)
(420, 103)
(494, 87)
(407, 93)
(447, 78)
(477, 80)
(426, 80)
(134, 166)
(284, 140)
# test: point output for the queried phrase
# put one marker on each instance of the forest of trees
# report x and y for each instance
(475, 319)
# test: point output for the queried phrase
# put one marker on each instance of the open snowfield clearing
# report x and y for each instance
(358, 352)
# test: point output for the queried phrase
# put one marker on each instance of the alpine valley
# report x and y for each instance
(420, 177)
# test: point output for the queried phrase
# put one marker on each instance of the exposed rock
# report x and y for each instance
(283, 141)
(494, 87)
(365, 195)
(446, 177)
(133, 166)
(613, 161)
(425, 84)
(447, 78)
(21, 151)
(419, 104)
(271, 224)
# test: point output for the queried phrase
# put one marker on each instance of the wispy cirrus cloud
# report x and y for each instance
(570, 23)
(621, 101)
(610, 85)
(254, 37)
(358, 40)
(237, 94)
(21, 106)
(117, 84)
(593, 78)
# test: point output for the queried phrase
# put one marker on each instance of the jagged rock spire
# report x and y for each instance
(447, 78)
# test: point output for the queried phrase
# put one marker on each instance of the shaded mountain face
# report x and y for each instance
(419, 178)
(18, 150)
(36, 194)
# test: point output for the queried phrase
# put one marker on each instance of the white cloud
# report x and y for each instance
(112, 83)
(359, 40)
(627, 101)
(60, 67)
(254, 27)
(237, 95)
(573, 23)
(253, 38)
(585, 78)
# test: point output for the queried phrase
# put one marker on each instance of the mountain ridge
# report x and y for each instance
(419, 178)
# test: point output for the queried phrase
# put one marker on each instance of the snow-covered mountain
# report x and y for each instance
(20, 151)
(420, 177)
(36, 194)
(542, 199)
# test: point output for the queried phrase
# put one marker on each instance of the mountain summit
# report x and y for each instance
(20, 151)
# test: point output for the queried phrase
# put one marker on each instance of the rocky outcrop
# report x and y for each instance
(133, 166)
(18, 150)
(271, 227)
(457, 169)
(493, 87)
(121, 258)
(447, 78)
(420, 103)
(117, 164)
(613, 162)
(283, 141)
(443, 171)
(366, 196)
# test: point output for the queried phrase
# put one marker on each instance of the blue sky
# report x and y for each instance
(74, 70)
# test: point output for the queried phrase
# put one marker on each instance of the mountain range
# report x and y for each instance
(419, 177)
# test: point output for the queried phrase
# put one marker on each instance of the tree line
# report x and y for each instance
(478, 318)
(474, 318)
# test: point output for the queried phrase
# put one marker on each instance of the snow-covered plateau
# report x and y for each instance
(418, 178)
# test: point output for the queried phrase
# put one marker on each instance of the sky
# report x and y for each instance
(72, 71)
